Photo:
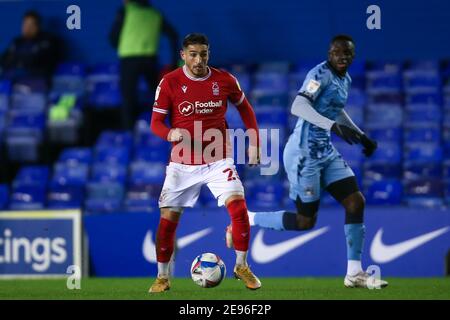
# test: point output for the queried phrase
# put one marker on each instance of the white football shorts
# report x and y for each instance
(183, 183)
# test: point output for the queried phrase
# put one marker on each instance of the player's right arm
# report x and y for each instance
(161, 109)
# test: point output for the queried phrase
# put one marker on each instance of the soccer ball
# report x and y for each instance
(208, 270)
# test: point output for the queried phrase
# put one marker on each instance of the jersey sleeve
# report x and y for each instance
(162, 97)
(236, 95)
(315, 82)
(161, 109)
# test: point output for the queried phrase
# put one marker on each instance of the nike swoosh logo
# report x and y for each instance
(382, 253)
(263, 253)
(149, 248)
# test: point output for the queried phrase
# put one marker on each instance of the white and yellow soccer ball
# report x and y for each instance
(208, 270)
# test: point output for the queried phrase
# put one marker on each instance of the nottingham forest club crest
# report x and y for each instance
(215, 88)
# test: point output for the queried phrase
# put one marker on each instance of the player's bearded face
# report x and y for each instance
(196, 58)
(341, 56)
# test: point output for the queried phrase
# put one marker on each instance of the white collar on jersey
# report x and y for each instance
(186, 73)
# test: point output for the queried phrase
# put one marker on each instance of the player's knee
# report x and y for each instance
(354, 208)
(306, 223)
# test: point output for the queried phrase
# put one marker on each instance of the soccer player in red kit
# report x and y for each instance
(195, 99)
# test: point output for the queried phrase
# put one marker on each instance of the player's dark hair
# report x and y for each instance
(34, 15)
(195, 38)
(342, 37)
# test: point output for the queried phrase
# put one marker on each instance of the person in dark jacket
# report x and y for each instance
(32, 54)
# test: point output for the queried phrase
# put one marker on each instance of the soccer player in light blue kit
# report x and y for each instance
(312, 162)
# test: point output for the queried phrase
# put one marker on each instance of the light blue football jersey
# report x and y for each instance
(328, 94)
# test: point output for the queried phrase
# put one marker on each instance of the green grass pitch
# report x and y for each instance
(229, 289)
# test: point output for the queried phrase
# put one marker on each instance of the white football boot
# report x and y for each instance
(364, 280)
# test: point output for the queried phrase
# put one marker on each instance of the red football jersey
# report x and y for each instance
(186, 100)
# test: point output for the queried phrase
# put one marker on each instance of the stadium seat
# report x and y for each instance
(70, 174)
(76, 155)
(265, 195)
(423, 153)
(379, 82)
(31, 176)
(143, 173)
(110, 155)
(151, 154)
(65, 196)
(385, 192)
(29, 101)
(4, 196)
(102, 172)
(381, 116)
(424, 192)
(417, 171)
(428, 132)
(28, 197)
(424, 98)
(115, 139)
(379, 172)
(393, 135)
(387, 153)
(422, 81)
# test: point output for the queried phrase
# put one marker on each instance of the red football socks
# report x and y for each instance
(239, 223)
(165, 240)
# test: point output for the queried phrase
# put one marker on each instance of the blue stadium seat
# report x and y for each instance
(94, 206)
(382, 82)
(385, 192)
(116, 155)
(71, 69)
(386, 66)
(106, 190)
(357, 98)
(393, 135)
(104, 95)
(379, 172)
(424, 192)
(423, 153)
(30, 85)
(265, 195)
(270, 115)
(149, 192)
(4, 196)
(429, 132)
(423, 65)
(65, 196)
(143, 139)
(381, 116)
(29, 101)
(424, 98)
(70, 174)
(24, 149)
(417, 171)
(115, 139)
(102, 172)
(76, 155)
(422, 81)
(143, 173)
(422, 113)
(34, 175)
(387, 153)
(151, 154)
(27, 197)
(270, 82)
(141, 205)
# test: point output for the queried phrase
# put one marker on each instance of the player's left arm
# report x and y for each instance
(369, 144)
(245, 109)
